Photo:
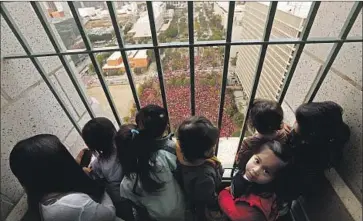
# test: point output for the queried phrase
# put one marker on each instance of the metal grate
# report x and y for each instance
(191, 44)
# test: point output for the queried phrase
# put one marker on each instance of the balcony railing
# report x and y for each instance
(191, 45)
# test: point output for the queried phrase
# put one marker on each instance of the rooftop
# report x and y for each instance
(141, 27)
(300, 9)
(130, 54)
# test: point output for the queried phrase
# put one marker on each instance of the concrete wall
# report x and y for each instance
(27, 105)
(343, 85)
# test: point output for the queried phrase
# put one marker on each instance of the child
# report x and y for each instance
(57, 188)
(266, 118)
(254, 197)
(201, 171)
(319, 129)
(149, 181)
(153, 118)
(98, 134)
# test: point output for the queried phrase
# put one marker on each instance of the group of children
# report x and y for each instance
(150, 176)
(182, 180)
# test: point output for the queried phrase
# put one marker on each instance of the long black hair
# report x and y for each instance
(136, 151)
(98, 135)
(43, 165)
(320, 128)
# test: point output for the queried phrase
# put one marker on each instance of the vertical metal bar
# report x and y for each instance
(125, 60)
(12, 25)
(157, 55)
(88, 46)
(51, 35)
(300, 48)
(227, 50)
(353, 14)
(191, 56)
(266, 37)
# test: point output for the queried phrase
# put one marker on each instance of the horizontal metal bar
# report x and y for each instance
(125, 59)
(300, 48)
(349, 22)
(51, 35)
(159, 68)
(23, 42)
(279, 41)
(266, 36)
(227, 51)
(191, 56)
(96, 66)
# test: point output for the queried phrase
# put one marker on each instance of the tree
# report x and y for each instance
(150, 54)
(169, 6)
(237, 133)
(238, 118)
(162, 38)
(138, 70)
(140, 89)
(196, 25)
(127, 28)
(171, 32)
(126, 120)
(91, 69)
(216, 35)
(231, 110)
(99, 59)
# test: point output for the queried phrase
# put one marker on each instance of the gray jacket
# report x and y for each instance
(166, 204)
(79, 207)
(111, 171)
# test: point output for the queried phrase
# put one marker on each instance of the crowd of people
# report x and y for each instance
(207, 99)
(141, 173)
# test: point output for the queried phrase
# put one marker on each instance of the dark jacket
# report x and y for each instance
(305, 173)
(200, 183)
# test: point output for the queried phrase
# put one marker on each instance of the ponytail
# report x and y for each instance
(137, 155)
(145, 148)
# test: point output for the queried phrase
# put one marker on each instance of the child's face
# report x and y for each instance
(262, 167)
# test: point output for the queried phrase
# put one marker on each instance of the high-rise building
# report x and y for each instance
(277, 60)
(94, 4)
(51, 5)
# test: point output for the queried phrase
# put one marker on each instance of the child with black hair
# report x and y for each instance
(254, 197)
(153, 118)
(317, 141)
(149, 181)
(98, 134)
(201, 171)
(266, 117)
(57, 189)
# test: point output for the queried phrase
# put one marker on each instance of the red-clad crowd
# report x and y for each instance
(207, 99)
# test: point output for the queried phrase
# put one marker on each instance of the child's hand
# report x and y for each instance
(228, 188)
(80, 155)
(87, 170)
(286, 127)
